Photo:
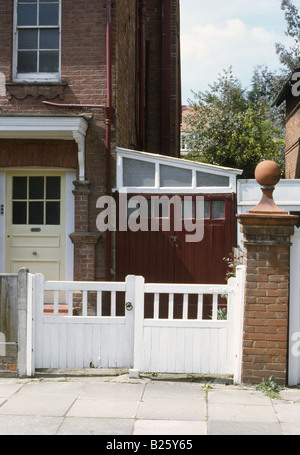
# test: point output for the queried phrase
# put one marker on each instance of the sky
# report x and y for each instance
(217, 34)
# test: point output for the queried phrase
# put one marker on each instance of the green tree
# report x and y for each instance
(289, 57)
(232, 127)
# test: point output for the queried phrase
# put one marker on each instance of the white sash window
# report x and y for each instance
(37, 40)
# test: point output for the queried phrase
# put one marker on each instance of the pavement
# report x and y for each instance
(153, 405)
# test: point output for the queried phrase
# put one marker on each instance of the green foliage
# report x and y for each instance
(232, 127)
(289, 57)
(270, 388)
(206, 387)
(222, 314)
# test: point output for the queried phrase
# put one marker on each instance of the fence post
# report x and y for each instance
(139, 289)
(239, 322)
(22, 321)
(30, 324)
(129, 314)
(294, 316)
(37, 310)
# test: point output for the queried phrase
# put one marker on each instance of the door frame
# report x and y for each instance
(70, 177)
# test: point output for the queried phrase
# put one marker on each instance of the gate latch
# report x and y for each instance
(129, 306)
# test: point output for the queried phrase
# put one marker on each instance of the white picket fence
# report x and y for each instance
(169, 345)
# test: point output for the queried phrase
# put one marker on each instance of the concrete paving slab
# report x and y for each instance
(95, 426)
(237, 395)
(29, 425)
(233, 428)
(175, 390)
(60, 387)
(112, 391)
(6, 389)
(241, 413)
(119, 405)
(169, 427)
(292, 394)
(173, 409)
(290, 429)
(104, 408)
(37, 405)
(287, 411)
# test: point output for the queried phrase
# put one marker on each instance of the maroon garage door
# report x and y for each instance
(166, 257)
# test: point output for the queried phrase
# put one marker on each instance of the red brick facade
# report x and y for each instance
(292, 131)
(266, 311)
(292, 147)
(136, 92)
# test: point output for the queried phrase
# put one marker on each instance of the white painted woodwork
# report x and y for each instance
(131, 341)
(294, 316)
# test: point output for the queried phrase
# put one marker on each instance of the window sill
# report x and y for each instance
(49, 90)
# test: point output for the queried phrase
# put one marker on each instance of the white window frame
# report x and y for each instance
(35, 77)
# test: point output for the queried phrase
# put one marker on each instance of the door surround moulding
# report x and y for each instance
(48, 127)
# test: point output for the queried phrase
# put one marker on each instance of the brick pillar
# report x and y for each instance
(266, 231)
(83, 240)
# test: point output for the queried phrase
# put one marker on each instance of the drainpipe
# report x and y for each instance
(98, 106)
(166, 77)
(142, 8)
(108, 111)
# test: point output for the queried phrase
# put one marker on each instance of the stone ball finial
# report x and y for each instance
(267, 173)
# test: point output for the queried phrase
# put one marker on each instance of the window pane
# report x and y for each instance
(217, 209)
(202, 209)
(27, 15)
(49, 39)
(48, 14)
(36, 188)
(53, 188)
(205, 179)
(161, 208)
(36, 213)
(175, 177)
(27, 62)
(49, 62)
(19, 213)
(53, 213)
(142, 209)
(28, 39)
(206, 209)
(138, 173)
(20, 188)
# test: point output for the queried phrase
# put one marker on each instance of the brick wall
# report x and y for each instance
(267, 258)
(30, 152)
(84, 81)
(126, 55)
(153, 31)
(9, 362)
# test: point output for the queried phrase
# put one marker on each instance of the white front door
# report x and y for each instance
(35, 235)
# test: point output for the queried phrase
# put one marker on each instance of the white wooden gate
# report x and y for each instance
(65, 341)
(205, 346)
(294, 317)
